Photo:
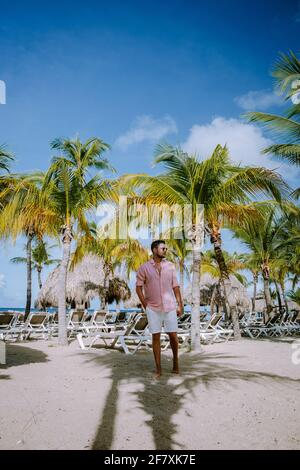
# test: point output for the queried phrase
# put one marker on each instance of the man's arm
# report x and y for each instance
(140, 281)
(177, 293)
(140, 294)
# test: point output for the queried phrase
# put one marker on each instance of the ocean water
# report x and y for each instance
(53, 310)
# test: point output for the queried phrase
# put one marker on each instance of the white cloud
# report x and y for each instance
(146, 128)
(258, 100)
(244, 141)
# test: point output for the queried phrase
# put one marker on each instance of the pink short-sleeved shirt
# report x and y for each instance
(158, 287)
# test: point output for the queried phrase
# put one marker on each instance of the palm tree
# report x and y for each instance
(290, 250)
(253, 265)
(180, 254)
(129, 255)
(279, 272)
(90, 242)
(235, 263)
(74, 194)
(287, 73)
(270, 247)
(294, 295)
(126, 254)
(81, 157)
(6, 158)
(27, 211)
(224, 189)
(40, 258)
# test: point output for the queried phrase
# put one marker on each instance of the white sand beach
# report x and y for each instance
(239, 395)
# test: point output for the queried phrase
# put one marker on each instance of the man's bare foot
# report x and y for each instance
(157, 374)
(175, 371)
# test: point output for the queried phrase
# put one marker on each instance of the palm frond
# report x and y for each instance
(286, 152)
(287, 129)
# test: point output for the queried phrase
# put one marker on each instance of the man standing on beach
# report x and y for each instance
(157, 287)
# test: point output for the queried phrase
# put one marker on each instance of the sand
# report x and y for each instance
(238, 395)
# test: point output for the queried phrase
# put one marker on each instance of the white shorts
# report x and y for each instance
(157, 320)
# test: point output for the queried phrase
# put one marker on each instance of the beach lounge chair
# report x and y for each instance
(75, 323)
(8, 328)
(111, 338)
(223, 333)
(111, 318)
(97, 320)
(36, 325)
(280, 326)
(138, 336)
(104, 321)
(250, 319)
(208, 329)
(6, 320)
(121, 317)
(267, 329)
(53, 324)
(2, 352)
(291, 325)
(184, 321)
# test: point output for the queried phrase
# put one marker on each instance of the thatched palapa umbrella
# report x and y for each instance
(84, 283)
(118, 290)
(210, 293)
(260, 305)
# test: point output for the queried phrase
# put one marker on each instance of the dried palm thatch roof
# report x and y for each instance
(260, 305)
(82, 283)
(118, 290)
(209, 285)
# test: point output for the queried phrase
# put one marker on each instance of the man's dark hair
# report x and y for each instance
(156, 243)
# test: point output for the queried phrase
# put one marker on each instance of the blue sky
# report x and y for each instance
(133, 73)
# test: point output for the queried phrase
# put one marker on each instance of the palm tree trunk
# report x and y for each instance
(107, 270)
(255, 279)
(229, 301)
(181, 270)
(63, 270)
(268, 298)
(278, 296)
(102, 301)
(213, 299)
(29, 274)
(39, 271)
(223, 298)
(267, 294)
(195, 314)
(282, 287)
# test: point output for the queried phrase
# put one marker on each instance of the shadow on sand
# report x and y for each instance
(161, 400)
(4, 376)
(17, 355)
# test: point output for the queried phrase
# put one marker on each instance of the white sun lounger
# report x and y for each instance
(8, 326)
(36, 325)
(129, 332)
(267, 329)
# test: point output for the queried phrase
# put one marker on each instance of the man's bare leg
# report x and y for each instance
(157, 353)
(174, 346)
